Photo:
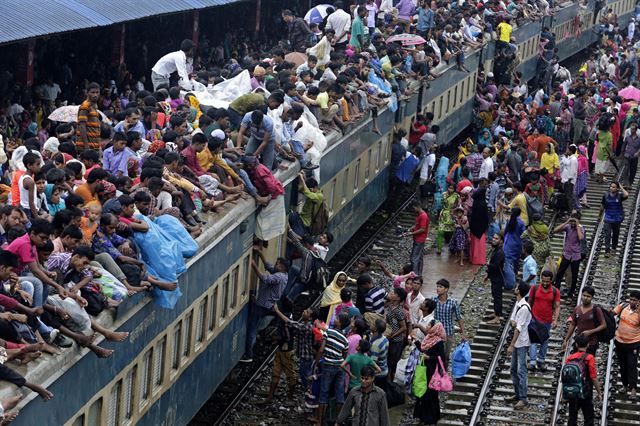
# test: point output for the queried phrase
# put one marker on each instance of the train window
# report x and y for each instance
(202, 317)
(113, 415)
(462, 91)
(448, 103)
(224, 299)
(145, 376)
(470, 80)
(187, 334)
(79, 421)
(367, 165)
(129, 383)
(330, 194)
(343, 191)
(177, 339)
(94, 416)
(356, 176)
(235, 278)
(159, 355)
(375, 160)
(433, 107)
(441, 100)
(246, 275)
(454, 101)
(213, 312)
(386, 148)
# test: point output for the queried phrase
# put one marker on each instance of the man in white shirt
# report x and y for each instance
(428, 165)
(569, 174)
(487, 164)
(49, 90)
(179, 61)
(340, 22)
(415, 299)
(519, 346)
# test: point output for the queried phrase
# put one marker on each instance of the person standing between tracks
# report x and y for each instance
(569, 174)
(419, 232)
(367, 401)
(627, 342)
(586, 320)
(571, 251)
(495, 274)
(544, 301)
(611, 205)
(630, 153)
(333, 349)
(520, 345)
(589, 381)
(448, 311)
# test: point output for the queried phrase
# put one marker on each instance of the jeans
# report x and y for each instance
(268, 155)
(534, 353)
(575, 269)
(630, 168)
(417, 257)
(627, 354)
(40, 292)
(305, 369)
(332, 375)
(256, 313)
(496, 295)
(33, 286)
(297, 225)
(519, 372)
(611, 235)
(248, 185)
(294, 285)
(586, 405)
(235, 118)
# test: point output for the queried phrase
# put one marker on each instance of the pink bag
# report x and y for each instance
(440, 381)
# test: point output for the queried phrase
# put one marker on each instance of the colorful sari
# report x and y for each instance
(583, 172)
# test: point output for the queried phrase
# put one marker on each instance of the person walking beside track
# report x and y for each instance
(419, 233)
(627, 342)
(520, 345)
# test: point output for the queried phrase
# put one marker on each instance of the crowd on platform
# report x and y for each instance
(104, 199)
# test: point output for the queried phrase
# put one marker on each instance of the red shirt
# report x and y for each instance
(589, 360)
(415, 135)
(265, 182)
(191, 161)
(25, 251)
(422, 222)
(542, 309)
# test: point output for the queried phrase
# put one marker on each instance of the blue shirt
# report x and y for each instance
(447, 313)
(378, 352)
(513, 242)
(139, 127)
(529, 269)
(258, 132)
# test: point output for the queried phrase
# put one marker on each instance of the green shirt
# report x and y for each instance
(311, 205)
(248, 103)
(357, 29)
(210, 128)
(605, 140)
(356, 362)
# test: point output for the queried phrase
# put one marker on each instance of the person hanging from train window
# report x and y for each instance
(302, 222)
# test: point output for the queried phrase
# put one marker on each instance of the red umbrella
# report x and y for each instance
(407, 39)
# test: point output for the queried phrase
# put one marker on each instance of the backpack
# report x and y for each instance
(608, 333)
(319, 220)
(541, 124)
(573, 375)
(537, 332)
(319, 277)
(534, 206)
(558, 201)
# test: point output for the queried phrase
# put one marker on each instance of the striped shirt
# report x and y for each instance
(374, 301)
(447, 313)
(271, 287)
(335, 347)
(88, 115)
(379, 351)
(629, 328)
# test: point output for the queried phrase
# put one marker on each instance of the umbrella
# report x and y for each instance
(296, 57)
(407, 39)
(317, 14)
(69, 114)
(630, 92)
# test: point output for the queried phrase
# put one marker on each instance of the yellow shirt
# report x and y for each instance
(323, 100)
(505, 30)
(521, 202)
(205, 158)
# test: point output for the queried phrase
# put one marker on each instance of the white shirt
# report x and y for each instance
(611, 70)
(50, 92)
(522, 316)
(486, 168)
(568, 169)
(340, 22)
(427, 166)
(405, 143)
(423, 322)
(415, 315)
(371, 18)
(172, 62)
(321, 250)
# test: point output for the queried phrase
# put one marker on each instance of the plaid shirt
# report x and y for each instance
(304, 338)
(447, 313)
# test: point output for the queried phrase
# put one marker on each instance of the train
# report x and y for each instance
(174, 360)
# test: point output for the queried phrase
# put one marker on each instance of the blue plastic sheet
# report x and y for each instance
(174, 228)
(461, 360)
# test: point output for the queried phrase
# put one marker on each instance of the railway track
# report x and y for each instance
(384, 236)
(617, 408)
(479, 398)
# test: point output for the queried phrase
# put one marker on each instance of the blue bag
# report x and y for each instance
(509, 275)
(461, 360)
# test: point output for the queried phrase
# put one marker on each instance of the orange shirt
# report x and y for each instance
(84, 192)
(15, 187)
(87, 229)
(629, 328)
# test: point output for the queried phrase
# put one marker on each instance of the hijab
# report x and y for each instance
(434, 335)
(479, 218)
(331, 295)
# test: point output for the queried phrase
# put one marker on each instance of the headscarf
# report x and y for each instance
(550, 160)
(434, 335)
(193, 103)
(331, 294)
(479, 218)
(537, 228)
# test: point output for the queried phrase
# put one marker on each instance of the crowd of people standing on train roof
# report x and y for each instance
(89, 197)
(535, 146)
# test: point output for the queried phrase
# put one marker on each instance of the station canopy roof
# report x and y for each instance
(23, 19)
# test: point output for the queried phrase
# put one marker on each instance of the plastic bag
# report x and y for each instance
(400, 371)
(419, 386)
(461, 360)
(174, 228)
